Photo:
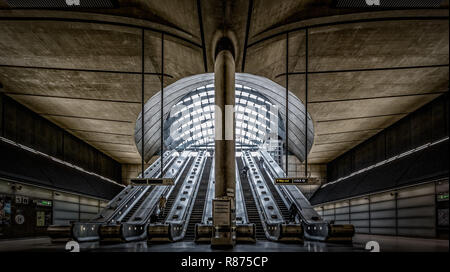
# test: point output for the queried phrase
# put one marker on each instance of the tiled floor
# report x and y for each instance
(386, 243)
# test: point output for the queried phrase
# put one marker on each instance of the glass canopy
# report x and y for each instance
(190, 124)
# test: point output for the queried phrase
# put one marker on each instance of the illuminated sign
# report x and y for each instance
(291, 181)
(442, 197)
(283, 181)
(152, 181)
(299, 180)
(45, 203)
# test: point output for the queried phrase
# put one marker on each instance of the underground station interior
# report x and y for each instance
(225, 126)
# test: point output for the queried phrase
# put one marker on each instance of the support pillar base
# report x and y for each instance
(224, 227)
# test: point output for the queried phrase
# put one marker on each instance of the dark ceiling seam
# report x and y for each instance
(118, 151)
(362, 117)
(103, 142)
(53, 19)
(247, 31)
(351, 131)
(366, 69)
(341, 142)
(81, 70)
(334, 150)
(81, 117)
(202, 35)
(100, 132)
(414, 18)
(376, 97)
(73, 98)
(102, 14)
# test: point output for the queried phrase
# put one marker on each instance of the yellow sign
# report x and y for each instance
(291, 181)
(152, 181)
(283, 181)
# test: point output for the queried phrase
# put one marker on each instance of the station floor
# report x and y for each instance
(387, 244)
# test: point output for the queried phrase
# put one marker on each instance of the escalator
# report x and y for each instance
(278, 200)
(137, 205)
(162, 216)
(252, 210)
(315, 228)
(197, 210)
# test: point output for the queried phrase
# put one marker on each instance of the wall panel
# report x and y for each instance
(425, 125)
(409, 211)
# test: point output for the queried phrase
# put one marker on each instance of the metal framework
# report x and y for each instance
(260, 87)
(191, 122)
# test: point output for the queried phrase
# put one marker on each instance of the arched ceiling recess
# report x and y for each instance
(176, 92)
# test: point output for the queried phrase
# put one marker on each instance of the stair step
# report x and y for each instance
(197, 210)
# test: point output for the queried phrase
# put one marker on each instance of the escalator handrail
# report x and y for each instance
(135, 189)
(269, 193)
(286, 193)
(262, 215)
(183, 220)
(165, 192)
(138, 193)
(241, 193)
(188, 211)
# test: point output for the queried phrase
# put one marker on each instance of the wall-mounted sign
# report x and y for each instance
(20, 219)
(291, 181)
(152, 181)
(442, 197)
(44, 203)
(221, 212)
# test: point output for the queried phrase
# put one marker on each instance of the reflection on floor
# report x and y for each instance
(402, 244)
(387, 243)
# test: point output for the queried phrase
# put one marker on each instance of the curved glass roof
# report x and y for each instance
(195, 92)
(190, 124)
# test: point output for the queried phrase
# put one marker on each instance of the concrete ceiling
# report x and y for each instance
(82, 69)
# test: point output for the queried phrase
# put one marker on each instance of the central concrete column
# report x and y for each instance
(224, 170)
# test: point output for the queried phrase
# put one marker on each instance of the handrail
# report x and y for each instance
(167, 189)
(287, 192)
(208, 190)
(188, 210)
(241, 196)
(138, 191)
(197, 177)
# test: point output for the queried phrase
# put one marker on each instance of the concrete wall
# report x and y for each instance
(317, 171)
(411, 211)
(23, 126)
(428, 124)
(130, 171)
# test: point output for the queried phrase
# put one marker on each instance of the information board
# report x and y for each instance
(152, 181)
(291, 181)
(221, 212)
